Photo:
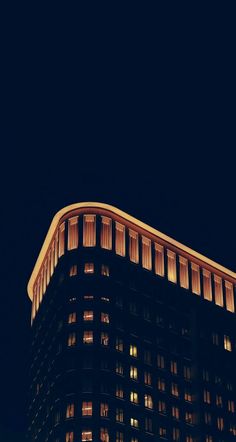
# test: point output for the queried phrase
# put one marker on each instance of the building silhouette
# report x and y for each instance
(133, 335)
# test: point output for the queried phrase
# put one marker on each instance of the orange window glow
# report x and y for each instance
(218, 291)
(146, 253)
(73, 237)
(171, 257)
(61, 240)
(159, 260)
(183, 272)
(133, 246)
(196, 288)
(229, 296)
(120, 239)
(106, 233)
(89, 231)
(207, 287)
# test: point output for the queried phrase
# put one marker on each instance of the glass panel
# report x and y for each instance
(73, 237)
(218, 291)
(120, 239)
(89, 231)
(183, 272)
(61, 239)
(52, 257)
(146, 253)
(133, 246)
(106, 233)
(207, 288)
(229, 296)
(171, 257)
(56, 250)
(159, 260)
(196, 288)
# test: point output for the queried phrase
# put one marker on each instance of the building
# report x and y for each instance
(133, 335)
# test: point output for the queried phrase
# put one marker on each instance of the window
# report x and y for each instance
(56, 249)
(119, 391)
(104, 435)
(88, 337)
(133, 246)
(57, 417)
(231, 406)
(119, 437)
(105, 271)
(104, 408)
(89, 231)
(70, 436)
(89, 267)
(120, 239)
(147, 357)
(229, 296)
(207, 287)
(176, 434)
(134, 439)
(147, 378)
(70, 411)
(219, 401)
(175, 412)
(162, 407)
(105, 318)
(88, 315)
(218, 291)
(73, 237)
(119, 344)
(215, 338)
(133, 351)
(227, 343)
(147, 313)
(207, 418)
(173, 367)
(61, 240)
(106, 233)
(119, 368)
(159, 260)
(104, 298)
(148, 424)
(104, 338)
(183, 272)
(72, 318)
(87, 436)
(119, 415)
(189, 438)
(88, 297)
(133, 372)
(134, 397)
(220, 423)
(196, 288)
(162, 431)
(206, 397)
(208, 438)
(189, 417)
(174, 389)
(134, 422)
(188, 395)
(87, 408)
(160, 361)
(161, 385)
(148, 402)
(71, 340)
(133, 308)
(171, 259)
(146, 253)
(73, 270)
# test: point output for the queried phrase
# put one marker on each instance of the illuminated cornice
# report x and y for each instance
(128, 219)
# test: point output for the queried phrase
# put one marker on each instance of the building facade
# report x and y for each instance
(133, 335)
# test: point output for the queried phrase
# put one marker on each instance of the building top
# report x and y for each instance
(130, 222)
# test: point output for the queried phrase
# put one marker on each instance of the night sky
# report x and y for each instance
(150, 130)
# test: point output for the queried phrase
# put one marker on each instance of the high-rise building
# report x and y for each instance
(133, 335)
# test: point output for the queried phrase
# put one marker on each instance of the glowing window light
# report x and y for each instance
(207, 287)
(61, 240)
(218, 291)
(56, 248)
(146, 253)
(73, 237)
(120, 239)
(73, 270)
(87, 436)
(106, 233)
(52, 258)
(159, 260)
(133, 246)
(172, 274)
(70, 436)
(229, 296)
(183, 272)
(89, 231)
(196, 287)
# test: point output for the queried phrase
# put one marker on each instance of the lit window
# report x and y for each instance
(207, 287)
(134, 397)
(73, 270)
(52, 257)
(189, 439)
(104, 339)
(183, 272)
(133, 372)
(219, 401)
(119, 368)
(104, 408)
(134, 422)
(229, 296)
(174, 389)
(88, 337)
(88, 315)
(70, 411)
(72, 318)
(133, 351)
(119, 391)
(73, 238)
(120, 239)
(148, 402)
(119, 344)
(232, 429)
(147, 378)
(161, 385)
(148, 424)
(176, 434)
(161, 407)
(119, 415)
(206, 397)
(159, 260)
(218, 291)
(87, 408)
(146, 253)
(227, 343)
(231, 406)
(89, 267)
(88, 297)
(105, 318)
(171, 257)
(188, 395)
(220, 423)
(119, 437)
(61, 240)
(207, 418)
(134, 439)
(89, 231)
(104, 435)
(105, 271)
(173, 367)
(160, 361)
(133, 246)
(87, 436)
(103, 298)
(70, 436)
(71, 340)
(189, 417)
(175, 412)
(162, 431)
(196, 288)
(106, 233)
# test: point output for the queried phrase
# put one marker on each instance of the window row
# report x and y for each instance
(89, 268)
(88, 316)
